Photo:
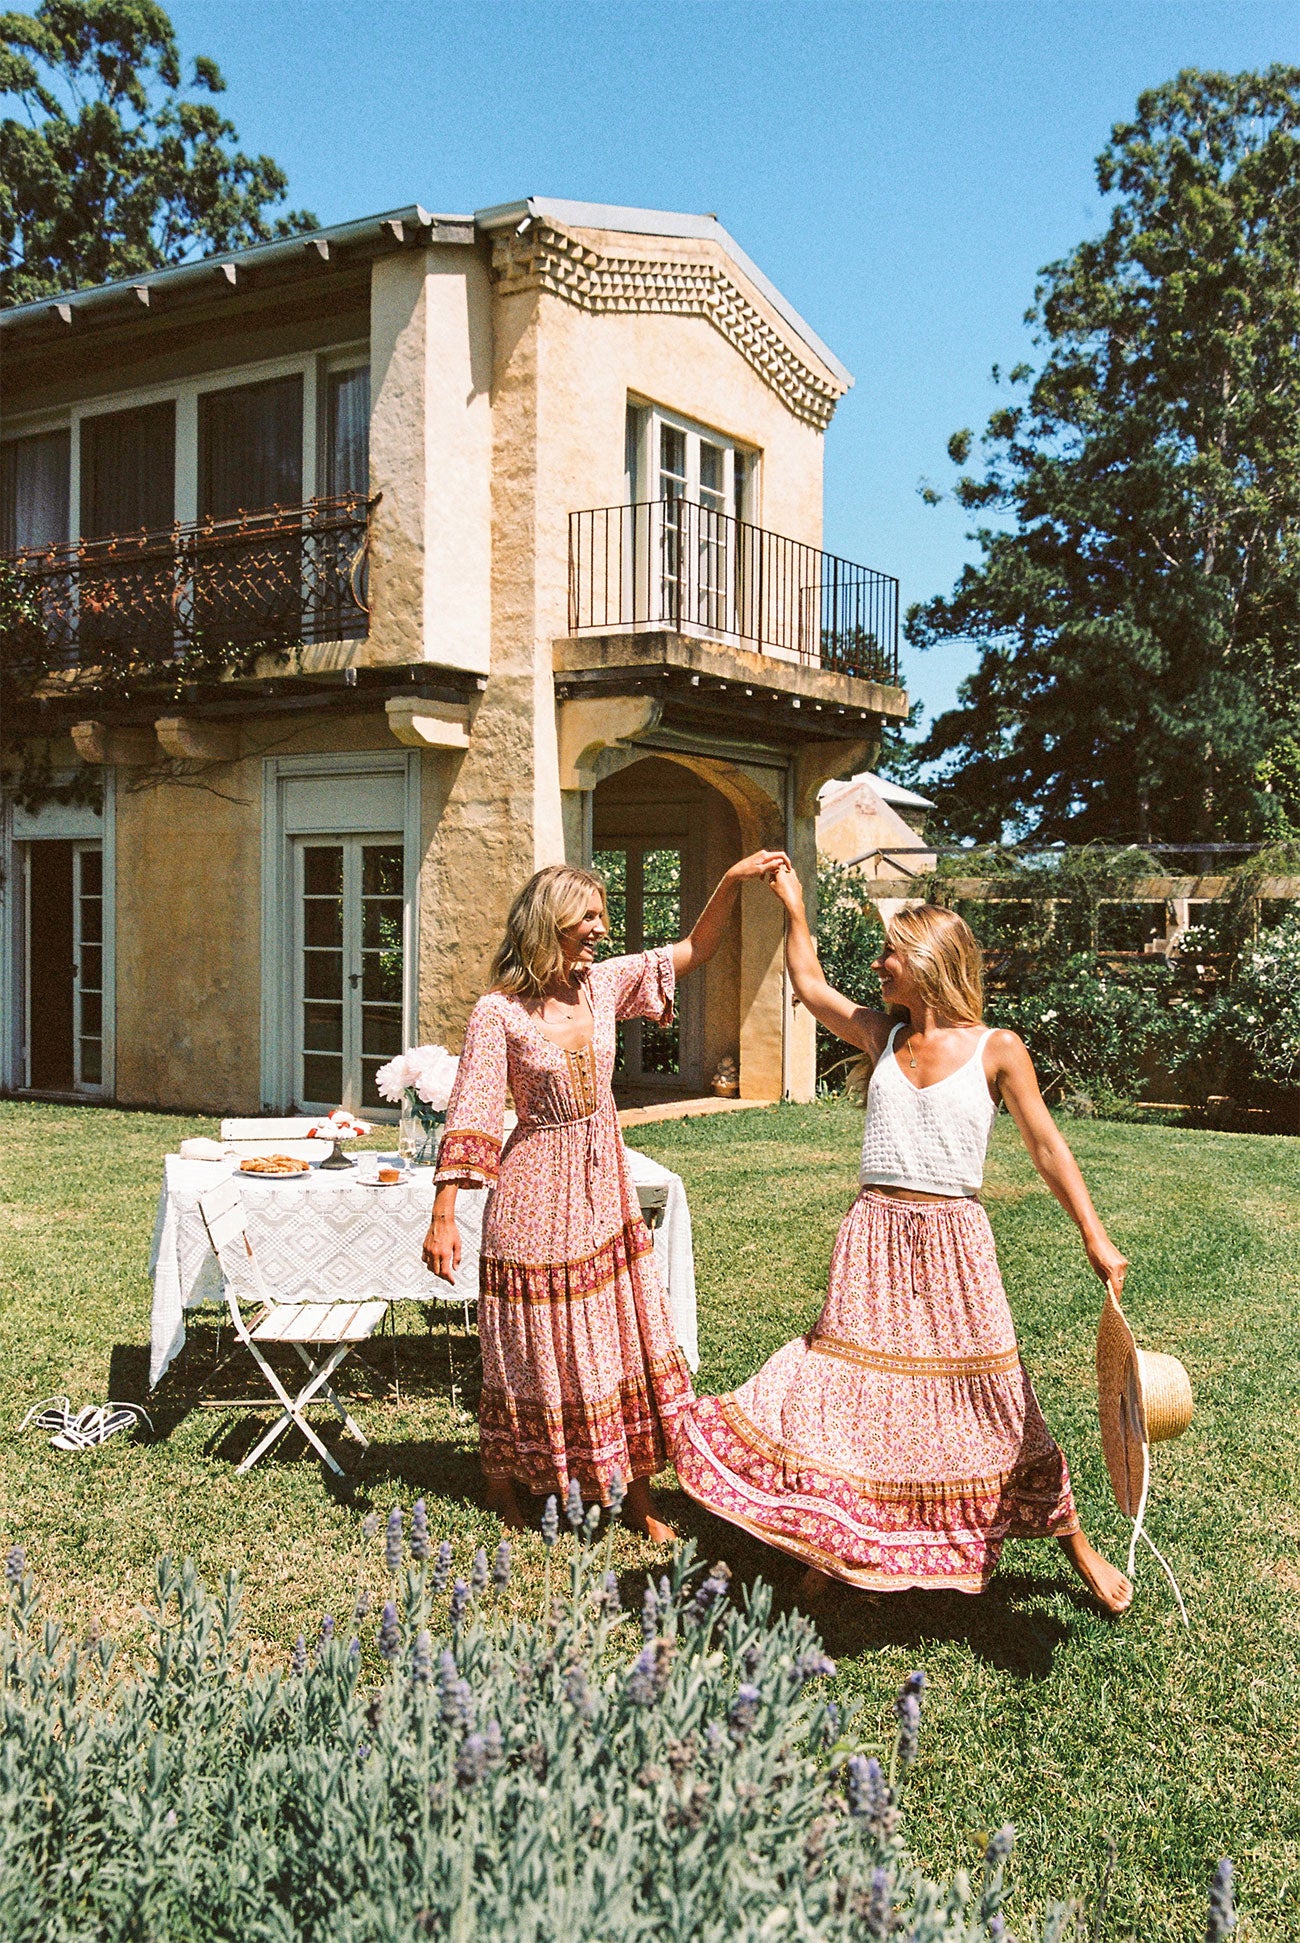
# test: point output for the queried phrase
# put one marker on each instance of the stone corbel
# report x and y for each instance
(594, 731)
(421, 724)
(102, 743)
(190, 740)
(818, 763)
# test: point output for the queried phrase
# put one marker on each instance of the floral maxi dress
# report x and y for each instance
(582, 1375)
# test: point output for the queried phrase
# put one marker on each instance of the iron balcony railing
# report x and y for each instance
(277, 577)
(671, 563)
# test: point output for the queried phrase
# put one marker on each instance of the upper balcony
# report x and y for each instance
(207, 597)
(672, 564)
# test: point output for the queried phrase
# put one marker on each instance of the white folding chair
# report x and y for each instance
(336, 1326)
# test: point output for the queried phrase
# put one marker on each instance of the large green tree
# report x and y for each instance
(1136, 600)
(111, 167)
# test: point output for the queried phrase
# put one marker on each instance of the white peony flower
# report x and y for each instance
(435, 1072)
(392, 1080)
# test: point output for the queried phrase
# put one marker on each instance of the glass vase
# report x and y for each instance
(419, 1132)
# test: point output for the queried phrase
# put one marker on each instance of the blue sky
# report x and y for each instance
(900, 168)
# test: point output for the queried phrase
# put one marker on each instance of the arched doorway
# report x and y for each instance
(662, 836)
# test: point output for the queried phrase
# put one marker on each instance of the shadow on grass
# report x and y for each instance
(994, 1625)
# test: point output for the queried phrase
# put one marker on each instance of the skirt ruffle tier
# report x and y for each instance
(900, 1443)
(581, 1375)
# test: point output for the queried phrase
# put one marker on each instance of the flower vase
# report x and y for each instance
(419, 1131)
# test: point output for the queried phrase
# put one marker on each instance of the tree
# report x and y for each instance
(113, 170)
(1137, 603)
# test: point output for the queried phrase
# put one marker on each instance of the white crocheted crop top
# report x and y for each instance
(929, 1138)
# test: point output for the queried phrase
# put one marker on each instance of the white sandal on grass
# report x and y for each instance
(54, 1413)
(97, 1423)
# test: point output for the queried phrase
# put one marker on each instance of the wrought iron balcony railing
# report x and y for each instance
(278, 577)
(670, 563)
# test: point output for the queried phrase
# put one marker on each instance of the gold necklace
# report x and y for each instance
(911, 1056)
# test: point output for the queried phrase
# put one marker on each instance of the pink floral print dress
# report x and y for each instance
(582, 1375)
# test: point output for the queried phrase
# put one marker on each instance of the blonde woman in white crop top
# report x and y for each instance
(900, 1442)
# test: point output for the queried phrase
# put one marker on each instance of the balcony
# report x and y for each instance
(671, 565)
(219, 590)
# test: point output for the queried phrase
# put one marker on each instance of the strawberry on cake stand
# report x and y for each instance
(338, 1127)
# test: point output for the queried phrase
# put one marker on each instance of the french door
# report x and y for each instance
(64, 966)
(644, 891)
(348, 968)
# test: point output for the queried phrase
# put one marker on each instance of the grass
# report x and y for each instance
(1179, 1746)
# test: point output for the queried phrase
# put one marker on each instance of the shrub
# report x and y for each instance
(681, 1773)
(1091, 1030)
(1261, 1011)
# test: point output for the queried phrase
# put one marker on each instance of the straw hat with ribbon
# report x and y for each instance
(1142, 1399)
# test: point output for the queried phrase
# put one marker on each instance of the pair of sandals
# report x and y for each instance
(79, 1430)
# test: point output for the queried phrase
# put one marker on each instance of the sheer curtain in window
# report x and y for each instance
(128, 471)
(250, 448)
(347, 468)
(34, 476)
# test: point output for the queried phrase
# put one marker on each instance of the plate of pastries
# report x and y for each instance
(274, 1167)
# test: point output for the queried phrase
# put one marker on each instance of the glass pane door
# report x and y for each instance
(88, 966)
(349, 958)
(644, 893)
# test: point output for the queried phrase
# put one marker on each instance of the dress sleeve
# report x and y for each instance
(471, 1143)
(644, 985)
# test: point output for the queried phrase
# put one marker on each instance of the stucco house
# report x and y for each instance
(874, 826)
(377, 568)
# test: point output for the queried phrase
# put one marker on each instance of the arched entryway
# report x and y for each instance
(662, 836)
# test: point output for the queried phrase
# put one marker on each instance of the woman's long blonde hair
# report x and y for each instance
(944, 958)
(530, 955)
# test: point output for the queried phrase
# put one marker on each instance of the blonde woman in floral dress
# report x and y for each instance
(582, 1375)
(899, 1443)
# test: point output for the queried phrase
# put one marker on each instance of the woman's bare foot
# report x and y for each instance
(814, 1589)
(639, 1514)
(502, 1500)
(1107, 1585)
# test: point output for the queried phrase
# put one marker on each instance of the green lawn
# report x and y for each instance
(1181, 1746)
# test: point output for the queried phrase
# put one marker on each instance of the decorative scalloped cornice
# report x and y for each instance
(548, 258)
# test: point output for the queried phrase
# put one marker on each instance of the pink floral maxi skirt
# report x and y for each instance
(900, 1442)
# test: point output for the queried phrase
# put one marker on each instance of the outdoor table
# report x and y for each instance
(323, 1237)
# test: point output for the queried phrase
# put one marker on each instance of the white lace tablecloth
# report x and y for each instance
(325, 1236)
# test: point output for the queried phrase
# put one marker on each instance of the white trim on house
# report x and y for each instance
(75, 822)
(361, 793)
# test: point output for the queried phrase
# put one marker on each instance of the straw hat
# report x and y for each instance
(1142, 1399)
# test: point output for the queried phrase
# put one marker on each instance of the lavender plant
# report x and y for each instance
(676, 1769)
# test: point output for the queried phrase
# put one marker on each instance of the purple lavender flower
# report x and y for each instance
(354, 1649)
(393, 1540)
(478, 1577)
(649, 1612)
(442, 1565)
(326, 1629)
(422, 1659)
(494, 1743)
(999, 1847)
(501, 1566)
(369, 1525)
(448, 1682)
(870, 1798)
(15, 1565)
(997, 1929)
(617, 1492)
(471, 1761)
(743, 1712)
(908, 1709)
(710, 1595)
(298, 1658)
(390, 1639)
(573, 1504)
(665, 1593)
(1223, 1906)
(915, 1682)
(362, 1606)
(880, 1906)
(578, 1691)
(550, 1523)
(610, 1598)
(812, 1664)
(459, 1602)
(831, 1723)
(642, 1686)
(420, 1546)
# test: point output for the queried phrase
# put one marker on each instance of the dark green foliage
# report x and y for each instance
(849, 939)
(584, 1775)
(1137, 603)
(111, 168)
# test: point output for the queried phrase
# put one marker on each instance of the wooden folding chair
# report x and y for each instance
(336, 1326)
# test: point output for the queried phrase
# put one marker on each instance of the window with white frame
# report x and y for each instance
(670, 457)
(692, 488)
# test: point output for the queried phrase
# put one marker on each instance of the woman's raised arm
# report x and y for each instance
(706, 933)
(858, 1025)
(1048, 1149)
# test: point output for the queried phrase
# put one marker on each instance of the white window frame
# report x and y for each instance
(645, 484)
(279, 977)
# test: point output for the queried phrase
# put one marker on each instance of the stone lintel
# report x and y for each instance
(98, 743)
(188, 739)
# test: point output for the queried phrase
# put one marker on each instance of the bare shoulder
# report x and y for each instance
(871, 1030)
